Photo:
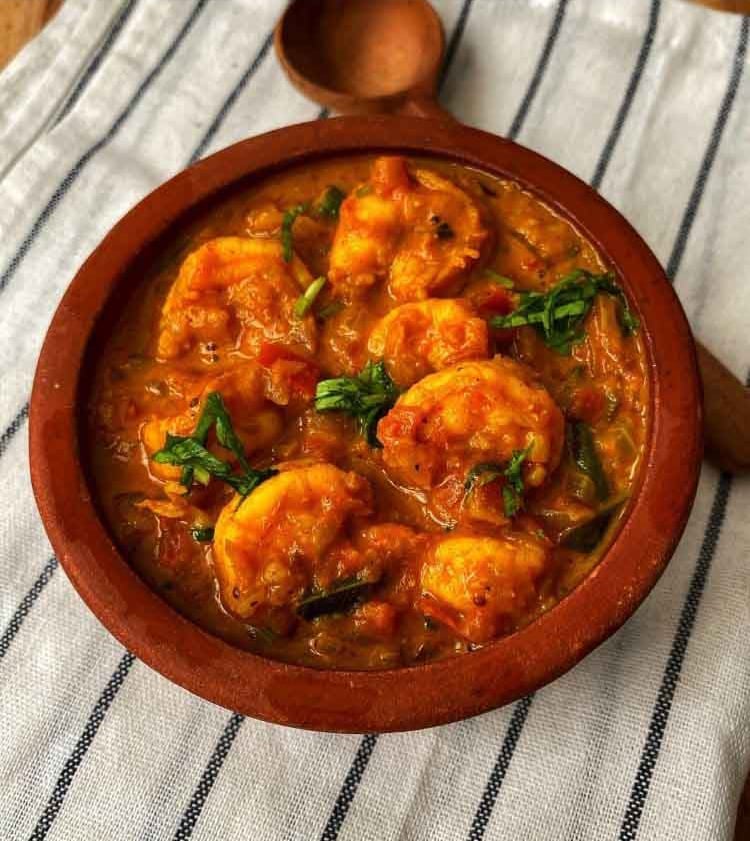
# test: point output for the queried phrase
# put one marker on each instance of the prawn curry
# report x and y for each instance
(369, 412)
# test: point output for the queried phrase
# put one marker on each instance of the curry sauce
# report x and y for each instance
(369, 412)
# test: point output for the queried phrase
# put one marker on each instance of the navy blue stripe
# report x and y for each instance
(660, 714)
(83, 82)
(349, 788)
(368, 743)
(211, 772)
(27, 602)
(13, 428)
(455, 41)
(624, 110)
(208, 778)
(73, 762)
(691, 210)
(678, 651)
(216, 123)
(539, 71)
(81, 163)
(118, 677)
(231, 99)
(502, 763)
(520, 713)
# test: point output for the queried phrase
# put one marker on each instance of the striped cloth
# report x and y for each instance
(648, 738)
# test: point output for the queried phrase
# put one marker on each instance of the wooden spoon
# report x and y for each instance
(364, 56)
(375, 56)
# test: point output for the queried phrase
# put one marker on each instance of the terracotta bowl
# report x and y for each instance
(398, 699)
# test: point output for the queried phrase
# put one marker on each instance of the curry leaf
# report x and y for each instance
(583, 451)
(340, 597)
(586, 536)
(329, 310)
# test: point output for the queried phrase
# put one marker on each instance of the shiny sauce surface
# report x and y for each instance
(368, 426)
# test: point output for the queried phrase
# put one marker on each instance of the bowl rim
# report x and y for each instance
(396, 699)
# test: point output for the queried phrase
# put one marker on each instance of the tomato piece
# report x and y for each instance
(390, 176)
(300, 375)
(495, 300)
(587, 404)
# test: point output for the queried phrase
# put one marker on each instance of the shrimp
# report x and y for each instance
(482, 586)
(472, 412)
(287, 536)
(244, 391)
(422, 233)
(236, 292)
(419, 338)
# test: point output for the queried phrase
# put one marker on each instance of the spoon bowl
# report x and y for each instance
(361, 56)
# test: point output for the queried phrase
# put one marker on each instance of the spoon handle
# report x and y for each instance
(420, 105)
(726, 414)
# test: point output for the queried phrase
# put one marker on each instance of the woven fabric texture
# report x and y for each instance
(648, 737)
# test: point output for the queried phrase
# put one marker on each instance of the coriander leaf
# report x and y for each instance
(247, 482)
(482, 474)
(201, 475)
(512, 470)
(367, 397)
(628, 320)
(205, 421)
(307, 298)
(187, 452)
(559, 313)
(500, 279)
(330, 203)
(287, 240)
(197, 462)
(513, 489)
(225, 433)
(203, 535)
(511, 501)
(363, 191)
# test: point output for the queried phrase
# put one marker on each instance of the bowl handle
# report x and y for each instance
(726, 414)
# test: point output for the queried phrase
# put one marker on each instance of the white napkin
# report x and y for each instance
(648, 737)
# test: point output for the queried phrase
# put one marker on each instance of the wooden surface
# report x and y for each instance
(740, 6)
(20, 20)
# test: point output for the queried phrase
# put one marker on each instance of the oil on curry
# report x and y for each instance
(370, 413)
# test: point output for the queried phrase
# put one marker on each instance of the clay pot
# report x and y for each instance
(400, 699)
